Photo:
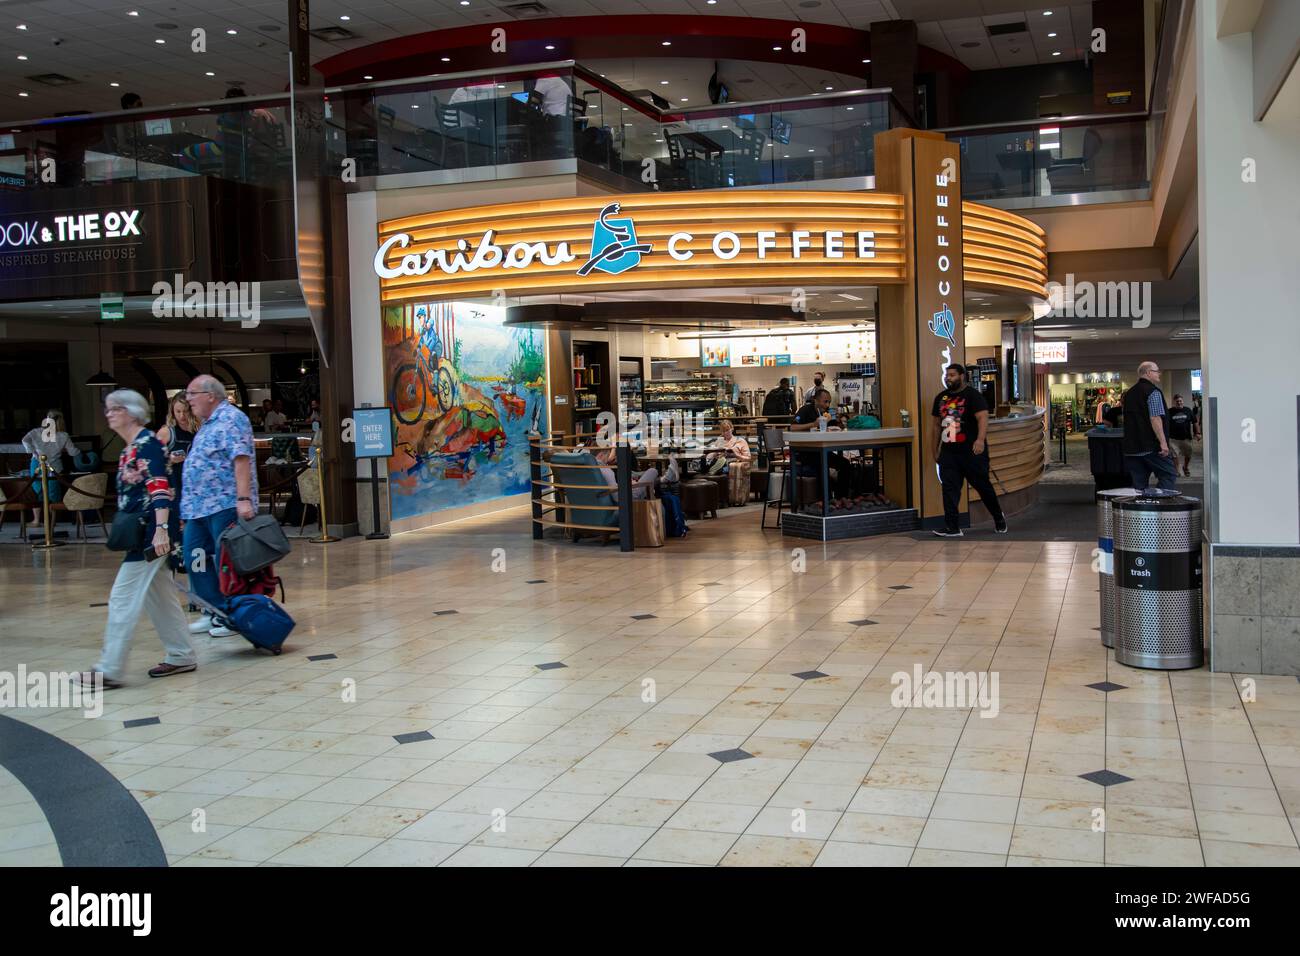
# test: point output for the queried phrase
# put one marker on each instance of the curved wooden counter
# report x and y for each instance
(1018, 456)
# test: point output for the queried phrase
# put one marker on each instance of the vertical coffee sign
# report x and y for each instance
(937, 220)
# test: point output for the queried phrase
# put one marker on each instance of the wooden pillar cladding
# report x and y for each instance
(336, 384)
(920, 324)
(559, 378)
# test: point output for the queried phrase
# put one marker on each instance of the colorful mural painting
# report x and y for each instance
(465, 392)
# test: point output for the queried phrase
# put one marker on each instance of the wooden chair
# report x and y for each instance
(85, 494)
(17, 494)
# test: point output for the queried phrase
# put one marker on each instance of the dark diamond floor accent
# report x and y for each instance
(1107, 778)
(551, 666)
(809, 675)
(413, 738)
(727, 756)
(441, 613)
(642, 617)
(864, 622)
(536, 581)
(1108, 686)
(322, 657)
(900, 587)
(141, 722)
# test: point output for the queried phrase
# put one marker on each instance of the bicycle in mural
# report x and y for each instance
(431, 374)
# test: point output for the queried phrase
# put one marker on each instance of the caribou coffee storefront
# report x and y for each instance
(478, 325)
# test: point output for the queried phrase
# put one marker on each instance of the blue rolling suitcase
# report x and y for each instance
(257, 618)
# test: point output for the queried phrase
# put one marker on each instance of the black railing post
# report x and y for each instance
(624, 476)
(535, 470)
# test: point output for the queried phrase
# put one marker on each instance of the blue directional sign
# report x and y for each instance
(374, 432)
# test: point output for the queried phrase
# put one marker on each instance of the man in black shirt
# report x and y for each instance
(1183, 427)
(808, 463)
(779, 402)
(961, 422)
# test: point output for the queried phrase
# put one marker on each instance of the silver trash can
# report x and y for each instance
(1106, 559)
(1158, 618)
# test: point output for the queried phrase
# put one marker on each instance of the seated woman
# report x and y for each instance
(643, 482)
(734, 458)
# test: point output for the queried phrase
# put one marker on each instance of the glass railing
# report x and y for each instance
(480, 121)
(245, 140)
(1053, 157)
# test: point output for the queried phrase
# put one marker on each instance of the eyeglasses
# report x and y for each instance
(114, 408)
(192, 394)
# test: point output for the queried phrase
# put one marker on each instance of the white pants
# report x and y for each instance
(143, 586)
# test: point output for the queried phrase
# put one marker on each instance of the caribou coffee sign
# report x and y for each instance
(653, 240)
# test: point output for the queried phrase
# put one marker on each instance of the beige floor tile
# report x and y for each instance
(863, 855)
(1220, 853)
(1136, 849)
(406, 853)
(1153, 821)
(975, 807)
(374, 821)
(713, 817)
(1054, 843)
(946, 858)
(991, 838)
(1274, 830)
(686, 846)
(1208, 798)
(880, 828)
(604, 839)
(251, 844)
(522, 833)
(754, 850)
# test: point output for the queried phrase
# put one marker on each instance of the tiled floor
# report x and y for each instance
(607, 761)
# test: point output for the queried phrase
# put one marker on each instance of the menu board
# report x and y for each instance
(828, 348)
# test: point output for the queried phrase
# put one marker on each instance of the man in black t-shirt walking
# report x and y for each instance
(961, 420)
(1183, 427)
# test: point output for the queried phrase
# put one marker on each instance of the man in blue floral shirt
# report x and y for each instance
(219, 483)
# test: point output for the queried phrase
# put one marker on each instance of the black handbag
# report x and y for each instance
(130, 530)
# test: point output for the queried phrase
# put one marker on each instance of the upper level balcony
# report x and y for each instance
(561, 118)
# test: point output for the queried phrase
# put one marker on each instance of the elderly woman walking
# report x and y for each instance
(142, 584)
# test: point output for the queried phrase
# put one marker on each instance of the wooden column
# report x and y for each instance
(919, 324)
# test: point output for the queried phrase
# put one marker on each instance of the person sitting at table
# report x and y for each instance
(53, 447)
(730, 447)
(642, 482)
(808, 463)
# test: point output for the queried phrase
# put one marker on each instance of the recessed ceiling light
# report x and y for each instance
(1056, 53)
(812, 150)
(684, 99)
(830, 87)
(209, 73)
(867, 60)
(133, 13)
(711, 2)
(415, 106)
(232, 32)
(464, 3)
(1051, 36)
(115, 84)
(776, 48)
(345, 17)
(625, 109)
(366, 77)
(1047, 13)
(848, 107)
(663, 82)
(667, 43)
(22, 56)
(160, 40)
(23, 94)
(446, 59)
(549, 47)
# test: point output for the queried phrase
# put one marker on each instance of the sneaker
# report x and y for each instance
(1000, 527)
(222, 631)
(202, 625)
(166, 670)
(946, 533)
(87, 679)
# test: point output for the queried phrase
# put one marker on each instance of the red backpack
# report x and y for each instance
(264, 581)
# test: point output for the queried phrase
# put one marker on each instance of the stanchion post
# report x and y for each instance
(324, 537)
(535, 472)
(49, 542)
(624, 478)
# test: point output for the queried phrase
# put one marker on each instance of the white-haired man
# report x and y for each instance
(1146, 431)
(219, 484)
